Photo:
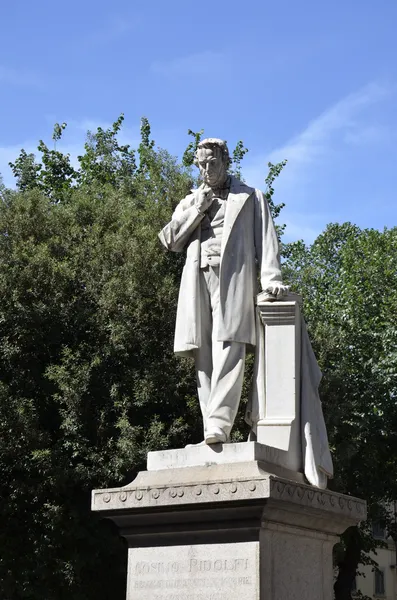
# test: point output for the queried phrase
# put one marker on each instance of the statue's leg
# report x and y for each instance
(227, 383)
(203, 355)
(228, 361)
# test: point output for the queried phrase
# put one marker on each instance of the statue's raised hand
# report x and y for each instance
(204, 198)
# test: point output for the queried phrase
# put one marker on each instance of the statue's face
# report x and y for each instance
(212, 166)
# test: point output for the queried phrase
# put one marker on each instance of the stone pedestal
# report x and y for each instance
(226, 528)
(279, 424)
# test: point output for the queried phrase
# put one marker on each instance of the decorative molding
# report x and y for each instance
(278, 313)
(314, 498)
(267, 488)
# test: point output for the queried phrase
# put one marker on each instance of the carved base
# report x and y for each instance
(227, 532)
(271, 460)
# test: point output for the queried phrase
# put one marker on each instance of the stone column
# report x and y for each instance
(226, 531)
(279, 410)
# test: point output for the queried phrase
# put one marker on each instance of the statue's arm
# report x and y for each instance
(266, 245)
(176, 234)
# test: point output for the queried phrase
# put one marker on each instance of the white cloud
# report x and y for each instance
(314, 141)
(201, 64)
(340, 124)
(313, 157)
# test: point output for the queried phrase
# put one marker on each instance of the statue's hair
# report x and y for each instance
(214, 143)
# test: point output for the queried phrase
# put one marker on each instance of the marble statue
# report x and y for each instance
(226, 228)
(229, 237)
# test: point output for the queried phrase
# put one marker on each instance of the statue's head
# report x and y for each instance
(212, 158)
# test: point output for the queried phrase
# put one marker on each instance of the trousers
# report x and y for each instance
(219, 365)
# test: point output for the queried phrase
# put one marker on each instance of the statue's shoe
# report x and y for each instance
(216, 435)
(203, 443)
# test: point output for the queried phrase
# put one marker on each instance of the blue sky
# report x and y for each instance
(313, 82)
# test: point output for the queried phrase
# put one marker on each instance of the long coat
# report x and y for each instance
(249, 243)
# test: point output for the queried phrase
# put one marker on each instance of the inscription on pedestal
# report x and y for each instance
(202, 572)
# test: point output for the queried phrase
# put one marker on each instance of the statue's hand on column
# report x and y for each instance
(274, 291)
(204, 198)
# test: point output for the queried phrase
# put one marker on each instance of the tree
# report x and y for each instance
(348, 279)
(25, 170)
(89, 381)
(86, 316)
(105, 161)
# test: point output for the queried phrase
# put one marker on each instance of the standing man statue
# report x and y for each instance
(227, 231)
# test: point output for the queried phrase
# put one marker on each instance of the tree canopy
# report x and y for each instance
(348, 279)
(89, 381)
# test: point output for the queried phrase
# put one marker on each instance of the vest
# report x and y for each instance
(211, 234)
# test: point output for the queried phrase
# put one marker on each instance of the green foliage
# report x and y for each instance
(25, 170)
(89, 382)
(53, 176)
(89, 379)
(275, 209)
(56, 176)
(57, 132)
(3, 190)
(105, 160)
(189, 154)
(348, 279)
(237, 156)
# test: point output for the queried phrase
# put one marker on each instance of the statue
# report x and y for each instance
(227, 231)
(226, 228)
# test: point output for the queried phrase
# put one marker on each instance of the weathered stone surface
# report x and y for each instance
(279, 406)
(273, 460)
(232, 483)
(221, 571)
(295, 564)
(227, 531)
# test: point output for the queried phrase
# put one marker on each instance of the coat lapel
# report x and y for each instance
(237, 197)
